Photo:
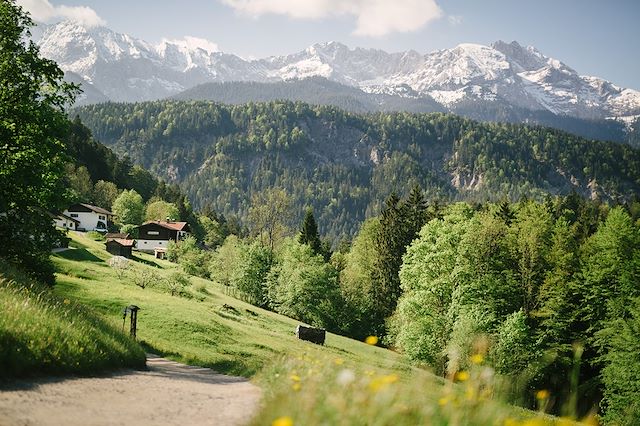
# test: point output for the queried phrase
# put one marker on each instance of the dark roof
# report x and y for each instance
(174, 226)
(64, 216)
(96, 209)
(111, 236)
(122, 242)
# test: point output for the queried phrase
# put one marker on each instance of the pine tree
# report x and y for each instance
(309, 232)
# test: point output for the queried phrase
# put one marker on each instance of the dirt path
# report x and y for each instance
(168, 393)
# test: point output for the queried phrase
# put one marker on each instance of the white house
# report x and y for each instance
(66, 222)
(90, 218)
(157, 234)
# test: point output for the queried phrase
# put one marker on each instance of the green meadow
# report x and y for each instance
(343, 382)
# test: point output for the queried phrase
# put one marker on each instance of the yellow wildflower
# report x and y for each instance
(296, 386)
(295, 377)
(443, 401)
(470, 393)
(535, 422)
(511, 422)
(462, 376)
(371, 340)
(67, 301)
(380, 382)
(542, 394)
(282, 421)
(339, 361)
(477, 358)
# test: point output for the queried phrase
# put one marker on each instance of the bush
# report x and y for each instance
(177, 282)
(130, 229)
(120, 265)
(95, 236)
(145, 277)
(186, 253)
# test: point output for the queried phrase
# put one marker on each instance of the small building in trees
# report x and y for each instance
(65, 222)
(90, 218)
(120, 247)
(157, 234)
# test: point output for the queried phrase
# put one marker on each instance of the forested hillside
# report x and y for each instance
(320, 91)
(345, 165)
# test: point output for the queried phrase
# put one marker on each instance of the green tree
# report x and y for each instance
(301, 285)
(161, 210)
(128, 208)
(79, 182)
(309, 232)
(356, 280)
(33, 97)
(269, 214)
(214, 233)
(422, 323)
(105, 193)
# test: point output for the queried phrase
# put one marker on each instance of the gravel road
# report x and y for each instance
(169, 393)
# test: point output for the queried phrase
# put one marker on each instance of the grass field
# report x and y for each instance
(343, 382)
(41, 333)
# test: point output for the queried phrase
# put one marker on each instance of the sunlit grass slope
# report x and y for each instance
(344, 382)
(237, 338)
(41, 333)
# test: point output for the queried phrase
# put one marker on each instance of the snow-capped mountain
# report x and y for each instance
(122, 68)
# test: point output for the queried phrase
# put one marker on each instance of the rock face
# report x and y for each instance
(121, 68)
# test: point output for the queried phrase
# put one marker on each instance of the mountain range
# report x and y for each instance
(519, 83)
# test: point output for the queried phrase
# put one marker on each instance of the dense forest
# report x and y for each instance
(345, 165)
(320, 91)
(543, 293)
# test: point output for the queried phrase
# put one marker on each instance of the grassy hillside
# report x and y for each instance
(195, 328)
(342, 382)
(41, 333)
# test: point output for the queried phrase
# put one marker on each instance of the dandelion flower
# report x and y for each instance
(371, 340)
(542, 394)
(296, 386)
(477, 358)
(282, 421)
(339, 361)
(443, 401)
(462, 376)
(295, 377)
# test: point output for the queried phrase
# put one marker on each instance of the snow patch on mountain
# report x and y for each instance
(127, 69)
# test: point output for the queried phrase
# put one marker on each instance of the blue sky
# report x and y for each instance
(595, 37)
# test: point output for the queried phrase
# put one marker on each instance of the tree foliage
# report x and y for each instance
(33, 123)
(128, 208)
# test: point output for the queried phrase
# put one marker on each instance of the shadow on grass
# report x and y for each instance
(234, 367)
(146, 262)
(79, 254)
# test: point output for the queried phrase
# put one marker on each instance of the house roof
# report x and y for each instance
(122, 242)
(112, 236)
(94, 209)
(175, 226)
(64, 216)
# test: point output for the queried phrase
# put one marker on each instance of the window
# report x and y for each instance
(153, 233)
(101, 217)
(74, 214)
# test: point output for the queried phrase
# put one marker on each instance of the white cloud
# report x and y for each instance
(375, 18)
(454, 20)
(43, 11)
(195, 43)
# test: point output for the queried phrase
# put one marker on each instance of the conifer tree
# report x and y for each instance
(309, 232)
